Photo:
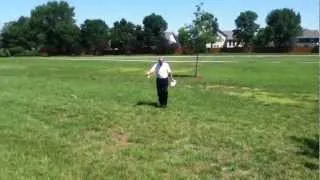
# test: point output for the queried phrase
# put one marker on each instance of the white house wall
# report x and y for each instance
(232, 44)
(172, 39)
(220, 42)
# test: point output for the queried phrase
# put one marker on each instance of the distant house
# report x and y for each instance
(172, 38)
(224, 40)
(221, 39)
(309, 38)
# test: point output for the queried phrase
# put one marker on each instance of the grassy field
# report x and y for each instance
(248, 118)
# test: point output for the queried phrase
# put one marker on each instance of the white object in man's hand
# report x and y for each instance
(173, 83)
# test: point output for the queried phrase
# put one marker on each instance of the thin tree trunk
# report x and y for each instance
(197, 64)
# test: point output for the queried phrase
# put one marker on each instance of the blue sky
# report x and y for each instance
(175, 12)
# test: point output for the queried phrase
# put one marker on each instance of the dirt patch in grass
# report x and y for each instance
(238, 174)
(98, 139)
(197, 168)
(200, 77)
(120, 141)
(120, 138)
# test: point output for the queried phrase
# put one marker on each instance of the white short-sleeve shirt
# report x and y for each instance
(162, 71)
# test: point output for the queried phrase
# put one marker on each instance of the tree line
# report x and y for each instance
(282, 27)
(51, 29)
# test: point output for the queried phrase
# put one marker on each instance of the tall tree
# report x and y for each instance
(185, 37)
(18, 34)
(54, 26)
(94, 35)
(123, 35)
(139, 37)
(263, 37)
(1, 41)
(203, 30)
(285, 25)
(245, 27)
(154, 28)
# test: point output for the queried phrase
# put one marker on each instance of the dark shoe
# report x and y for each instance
(163, 106)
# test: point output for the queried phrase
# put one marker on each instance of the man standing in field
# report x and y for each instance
(163, 73)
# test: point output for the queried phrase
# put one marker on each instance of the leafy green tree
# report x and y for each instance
(285, 25)
(18, 34)
(263, 37)
(123, 35)
(94, 35)
(185, 37)
(154, 28)
(54, 26)
(1, 41)
(245, 28)
(139, 38)
(203, 30)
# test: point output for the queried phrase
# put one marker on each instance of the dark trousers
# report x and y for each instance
(162, 89)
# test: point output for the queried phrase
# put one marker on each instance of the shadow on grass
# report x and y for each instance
(311, 166)
(147, 103)
(310, 148)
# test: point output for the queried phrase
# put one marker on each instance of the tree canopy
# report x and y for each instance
(245, 28)
(204, 29)
(54, 27)
(123, 35)
(18, 34)
(284, 25)
(154, 28)
(94, 35)
(185, 37)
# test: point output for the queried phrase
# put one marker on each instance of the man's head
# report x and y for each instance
(161, 60)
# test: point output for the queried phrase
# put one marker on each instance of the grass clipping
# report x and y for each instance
(260, 95)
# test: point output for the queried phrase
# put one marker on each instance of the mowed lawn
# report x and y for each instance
(248, 118)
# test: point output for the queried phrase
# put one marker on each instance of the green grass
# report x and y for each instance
(251, 119)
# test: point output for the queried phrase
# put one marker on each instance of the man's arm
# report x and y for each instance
(153, 68)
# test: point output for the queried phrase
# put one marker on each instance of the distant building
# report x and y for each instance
(172, 38)
(309, 38)
(224, 40)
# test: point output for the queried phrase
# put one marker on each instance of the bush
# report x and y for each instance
(315, 49)
(4, 53)
(187, 50)
(166, 48)
(16, 50)
(29, 53)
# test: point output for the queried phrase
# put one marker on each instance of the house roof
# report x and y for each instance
(171, 37)
(228, 34)
(308, 33)
(168, 35)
